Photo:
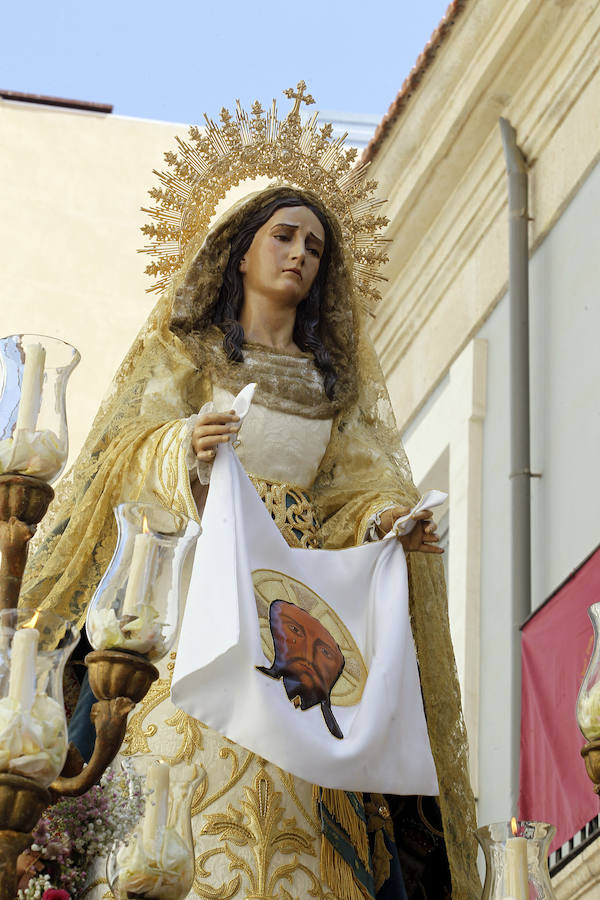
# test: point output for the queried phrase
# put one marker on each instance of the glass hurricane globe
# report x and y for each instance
(34, 647)
(138, 603)
(516, 860)
(156, 860)
(588, 698)
(34, 371)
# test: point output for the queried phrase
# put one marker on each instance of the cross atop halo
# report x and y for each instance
(298, 97)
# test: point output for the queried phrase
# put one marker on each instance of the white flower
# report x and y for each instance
(38, 453)
(32, 743)
(143, 633)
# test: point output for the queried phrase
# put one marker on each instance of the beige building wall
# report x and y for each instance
(71, 187)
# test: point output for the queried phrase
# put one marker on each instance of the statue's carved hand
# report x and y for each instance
(212, 429)
(422, 538)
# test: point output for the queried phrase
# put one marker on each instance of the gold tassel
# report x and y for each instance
(338, 875)
(335, 871)
(343, 812)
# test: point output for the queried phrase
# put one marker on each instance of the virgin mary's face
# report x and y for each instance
(283, 259)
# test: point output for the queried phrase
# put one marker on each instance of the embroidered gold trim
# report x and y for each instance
(373, 508)
(258, 825)
(292, 511)
(287, 781)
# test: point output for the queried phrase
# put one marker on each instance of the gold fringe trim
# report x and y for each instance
(343, 812)
(335, 871)
(338, 875)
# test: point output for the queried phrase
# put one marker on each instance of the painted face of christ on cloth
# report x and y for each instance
(307, 657)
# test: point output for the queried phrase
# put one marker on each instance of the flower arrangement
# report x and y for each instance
(72, 833)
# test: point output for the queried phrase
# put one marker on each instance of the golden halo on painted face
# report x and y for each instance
(270, 585)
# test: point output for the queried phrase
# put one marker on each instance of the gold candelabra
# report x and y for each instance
(119, 679)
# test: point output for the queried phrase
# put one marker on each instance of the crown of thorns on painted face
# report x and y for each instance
(307, 328)
(307, 657)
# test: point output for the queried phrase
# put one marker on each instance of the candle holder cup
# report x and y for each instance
(156, 861)
(138, 603)
(516, 863)
(34, 371)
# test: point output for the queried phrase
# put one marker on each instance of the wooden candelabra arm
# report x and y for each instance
(120, 679)
(23, 503)
(110, 721)
(14, 538)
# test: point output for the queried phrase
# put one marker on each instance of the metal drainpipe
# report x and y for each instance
(520, 473)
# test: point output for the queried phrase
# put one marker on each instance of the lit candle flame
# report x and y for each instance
(513, 825)
(33, 622)
(145, 529)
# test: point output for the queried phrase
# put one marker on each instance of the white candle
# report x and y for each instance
(157, 805)
(21, 685)
(516, 882)
(141, 560)
(31, 387)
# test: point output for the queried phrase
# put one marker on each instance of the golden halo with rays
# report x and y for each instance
(246, 147)
(270, 585)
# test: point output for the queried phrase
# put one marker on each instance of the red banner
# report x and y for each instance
(557, 644)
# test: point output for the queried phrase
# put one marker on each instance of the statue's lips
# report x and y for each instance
(295, 271)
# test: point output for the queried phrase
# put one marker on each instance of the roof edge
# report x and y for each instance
(41, 99)
(424, 61)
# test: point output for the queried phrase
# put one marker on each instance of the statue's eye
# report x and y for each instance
(294, 628)
(327, 652)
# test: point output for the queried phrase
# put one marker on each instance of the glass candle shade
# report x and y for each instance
(138, 603)
(516, 863)
(588, 699)
(156, 861)
(34, 371)
(34, 647)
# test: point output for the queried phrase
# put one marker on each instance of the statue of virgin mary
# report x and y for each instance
(275, 291)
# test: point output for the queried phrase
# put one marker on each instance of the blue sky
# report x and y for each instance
(173, 61)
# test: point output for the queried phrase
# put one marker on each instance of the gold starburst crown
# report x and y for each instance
(245, 148)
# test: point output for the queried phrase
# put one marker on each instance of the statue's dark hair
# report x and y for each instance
(307, 329)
